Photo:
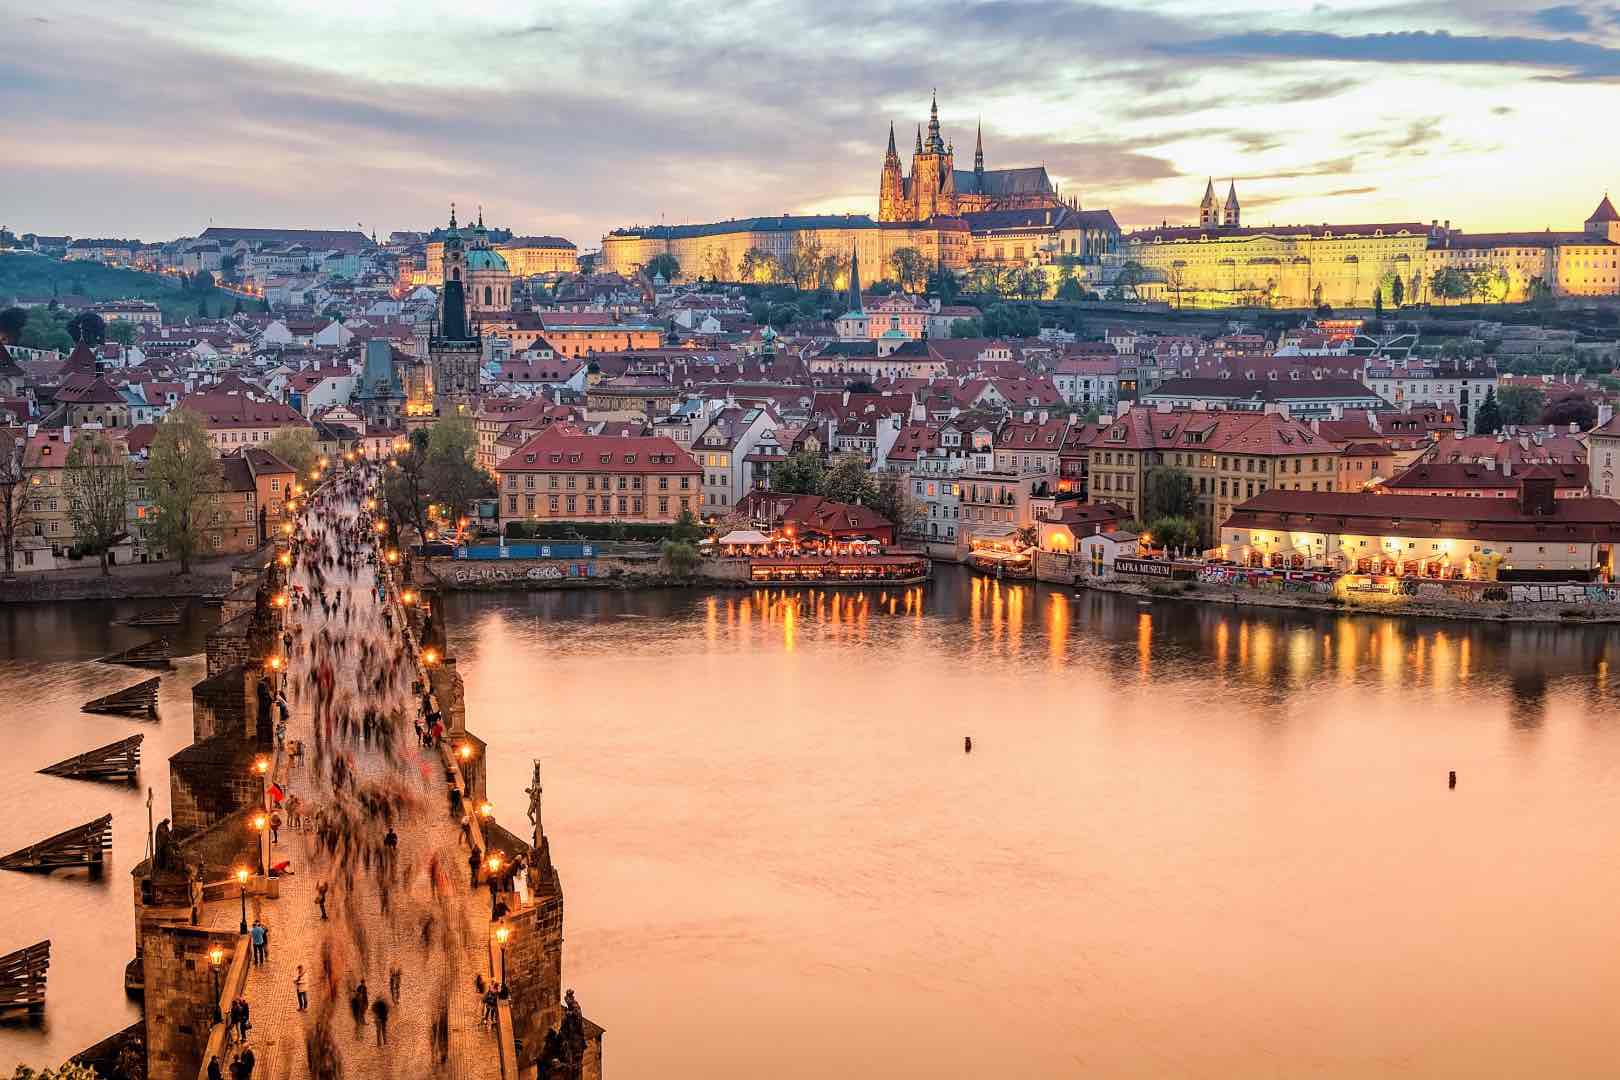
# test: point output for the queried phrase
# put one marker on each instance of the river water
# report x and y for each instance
(1188, 840)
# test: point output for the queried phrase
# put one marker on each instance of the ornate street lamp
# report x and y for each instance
(242, 876)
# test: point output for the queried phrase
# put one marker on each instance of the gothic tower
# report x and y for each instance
(454, 351)
(933, 172)
(978, 156)
(1234, 212)
(891, 188)
(1209, 211)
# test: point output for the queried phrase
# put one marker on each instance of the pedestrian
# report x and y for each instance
(394, 976)
(214, 1072)
(258, 937)
(320, 899)
(490, 1001)
(298, 985)
(247, 1060)
(475, 860)
(379, 1011)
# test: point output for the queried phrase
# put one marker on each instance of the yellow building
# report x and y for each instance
(1228, 457)
(529, 255)
(1281, 266)
(721, 250)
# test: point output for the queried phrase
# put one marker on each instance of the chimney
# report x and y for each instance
(1507, 466)
(1537, 496)
(1605, 414)
(1574, 428)
(33, 429)
(1490, 464)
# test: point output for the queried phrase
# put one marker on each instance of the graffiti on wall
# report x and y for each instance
(1244, 577)
(497, 574)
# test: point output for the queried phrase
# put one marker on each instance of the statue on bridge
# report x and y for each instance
(563, 1055)
(533, 791)
(163, 855)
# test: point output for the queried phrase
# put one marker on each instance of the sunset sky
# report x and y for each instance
(153, 119)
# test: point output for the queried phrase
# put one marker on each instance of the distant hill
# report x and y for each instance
(30, 276)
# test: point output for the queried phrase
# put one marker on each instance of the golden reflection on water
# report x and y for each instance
(1007, 621)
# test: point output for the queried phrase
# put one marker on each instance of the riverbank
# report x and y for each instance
(137, 581)
(1546, 611)
(628, 572)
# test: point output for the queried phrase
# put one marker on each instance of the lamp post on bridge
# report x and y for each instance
(242, 876)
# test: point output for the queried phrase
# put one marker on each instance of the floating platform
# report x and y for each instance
(153, 654)
(22, 981)
(169, 616)
(119, 760)
(137, 700)
(83, 845)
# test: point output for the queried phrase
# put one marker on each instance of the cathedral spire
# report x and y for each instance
(855, 282)
(919, 138)
(892, 152)
(936, 145)
(480, 215)
(978, 150)
(452, 215)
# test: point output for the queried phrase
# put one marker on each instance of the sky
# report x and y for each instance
(154, 119)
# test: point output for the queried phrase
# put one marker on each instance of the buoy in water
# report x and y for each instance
(1452, 782)
(967, 745)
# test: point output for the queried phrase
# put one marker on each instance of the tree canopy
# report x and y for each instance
(296, 446)
(97, 476)
(184, 477)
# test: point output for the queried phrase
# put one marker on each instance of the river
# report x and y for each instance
(1188, 841)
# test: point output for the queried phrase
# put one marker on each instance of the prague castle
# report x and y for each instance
(952, 219)
(937, 188)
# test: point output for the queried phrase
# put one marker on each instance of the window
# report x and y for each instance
(511, 504)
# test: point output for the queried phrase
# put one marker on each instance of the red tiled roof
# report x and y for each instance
(554, 450)
(1427, 515)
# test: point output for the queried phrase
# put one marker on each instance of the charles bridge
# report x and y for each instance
(232, 851)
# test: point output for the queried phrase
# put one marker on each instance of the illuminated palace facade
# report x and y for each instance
(719, 250)
(1222, 263)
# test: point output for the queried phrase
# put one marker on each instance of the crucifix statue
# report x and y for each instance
(533, 791)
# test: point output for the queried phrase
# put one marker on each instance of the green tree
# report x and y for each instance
(87, 328)
(1520, 405)
(910, 269)
(752, 265)
(1070, 289)
(12, 321)
(967, 328)
(1167, 492)
(848, 482)
(453, 476)
(892, 498)
(1488, 421)
(97, 480)
(122, 331)
(798, 474)
(687, 528)
(680, 557)
(663, 263)
(1173, 531)
(1397, 291)
(1573, 409)
(296, 446)
(943, 284)
(1378, 303)
(405, 487)
(805, 265)
(1011, 320)
(14, 513)
(68, 1071)
(1130, 278)
(184, 477)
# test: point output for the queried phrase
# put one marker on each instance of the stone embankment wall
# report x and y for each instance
(597, 572)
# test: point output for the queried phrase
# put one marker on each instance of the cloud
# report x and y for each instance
(1563, 19)
(1414, 140)
(1573, 60)
(1334, 167)
(1341, 192)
